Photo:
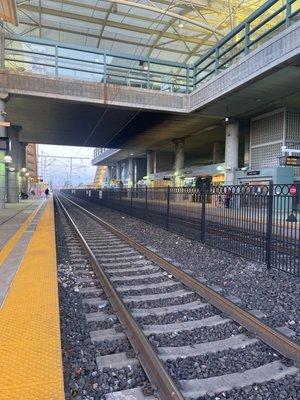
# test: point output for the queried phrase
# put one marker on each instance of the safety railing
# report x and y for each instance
(267, 21)
(62, 60)
(260, 223)
(99, 150)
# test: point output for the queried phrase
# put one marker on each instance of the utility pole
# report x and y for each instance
(71, 172)
(47, 160)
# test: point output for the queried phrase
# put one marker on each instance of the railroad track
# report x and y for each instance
(191, 341)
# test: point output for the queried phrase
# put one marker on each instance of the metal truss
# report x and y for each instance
(177, 30)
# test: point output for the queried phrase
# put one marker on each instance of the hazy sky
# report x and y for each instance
(62, 170)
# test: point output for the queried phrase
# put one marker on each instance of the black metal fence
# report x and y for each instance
(260, 223)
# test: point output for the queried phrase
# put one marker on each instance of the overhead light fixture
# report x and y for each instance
(131, 154)
(7, 159)
(181, 24)
(143, 65)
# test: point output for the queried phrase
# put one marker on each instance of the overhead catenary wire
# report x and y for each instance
(107, 108)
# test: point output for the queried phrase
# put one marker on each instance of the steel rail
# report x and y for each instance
(273, 338)
(163, 384)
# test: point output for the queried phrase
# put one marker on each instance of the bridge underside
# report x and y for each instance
(65, 122)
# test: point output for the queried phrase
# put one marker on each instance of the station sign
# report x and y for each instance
(252, 173)
(293, 190)
(292, 161)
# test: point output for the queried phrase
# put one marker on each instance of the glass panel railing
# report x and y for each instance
(51, 58)
(266, 22)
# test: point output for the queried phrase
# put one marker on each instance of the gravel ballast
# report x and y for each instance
(221, 363)
(83, 380)
(211, 365)
(197, 335)
(273, 292)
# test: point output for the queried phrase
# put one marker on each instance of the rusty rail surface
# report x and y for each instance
(273, 338)
(163, 384)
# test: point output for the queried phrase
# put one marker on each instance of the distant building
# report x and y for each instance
(100, 175)
(31, 159)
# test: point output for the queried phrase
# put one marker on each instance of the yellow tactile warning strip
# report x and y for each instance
(30, 347)
(18, 234)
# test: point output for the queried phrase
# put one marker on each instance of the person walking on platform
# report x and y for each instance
(47, 193)
(228, 198)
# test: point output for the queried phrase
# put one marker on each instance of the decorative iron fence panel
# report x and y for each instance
(260, 223)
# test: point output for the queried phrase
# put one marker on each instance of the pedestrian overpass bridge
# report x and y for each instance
(63, 94)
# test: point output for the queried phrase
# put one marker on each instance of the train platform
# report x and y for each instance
(30, 358)
(13, 215)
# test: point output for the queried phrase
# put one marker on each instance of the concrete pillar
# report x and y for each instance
(217, 153)
(118, 171)
(154, 158)
(23, 182)
(130, 173)
(2, 45)
(14, 167)
(2, 155)
(2, 180)
(149, 162)
(135, 172)
(231, 151)
(179, 160)
(109, 174)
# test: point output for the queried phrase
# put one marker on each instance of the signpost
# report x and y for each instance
(290, 161)
(293, 192)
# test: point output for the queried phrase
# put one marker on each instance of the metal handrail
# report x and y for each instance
(99, 150)
(243, 38)
(109, 66)
(117, 67)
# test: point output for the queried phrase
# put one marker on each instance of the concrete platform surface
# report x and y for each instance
(30, 358)
(13, 215)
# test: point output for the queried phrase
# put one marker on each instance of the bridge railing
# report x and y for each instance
(99, 150)
(61, 60)
(267, 21)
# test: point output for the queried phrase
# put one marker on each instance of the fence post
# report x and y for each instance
(187, 90)
(168, 208)
(2, 46)
(246, 38)
(146, 198)
(288, 12)
(131, 194)
(104, 68)
(216, 66)
(203, 199)
(269, 226)
(194, 77)
(56, 60)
